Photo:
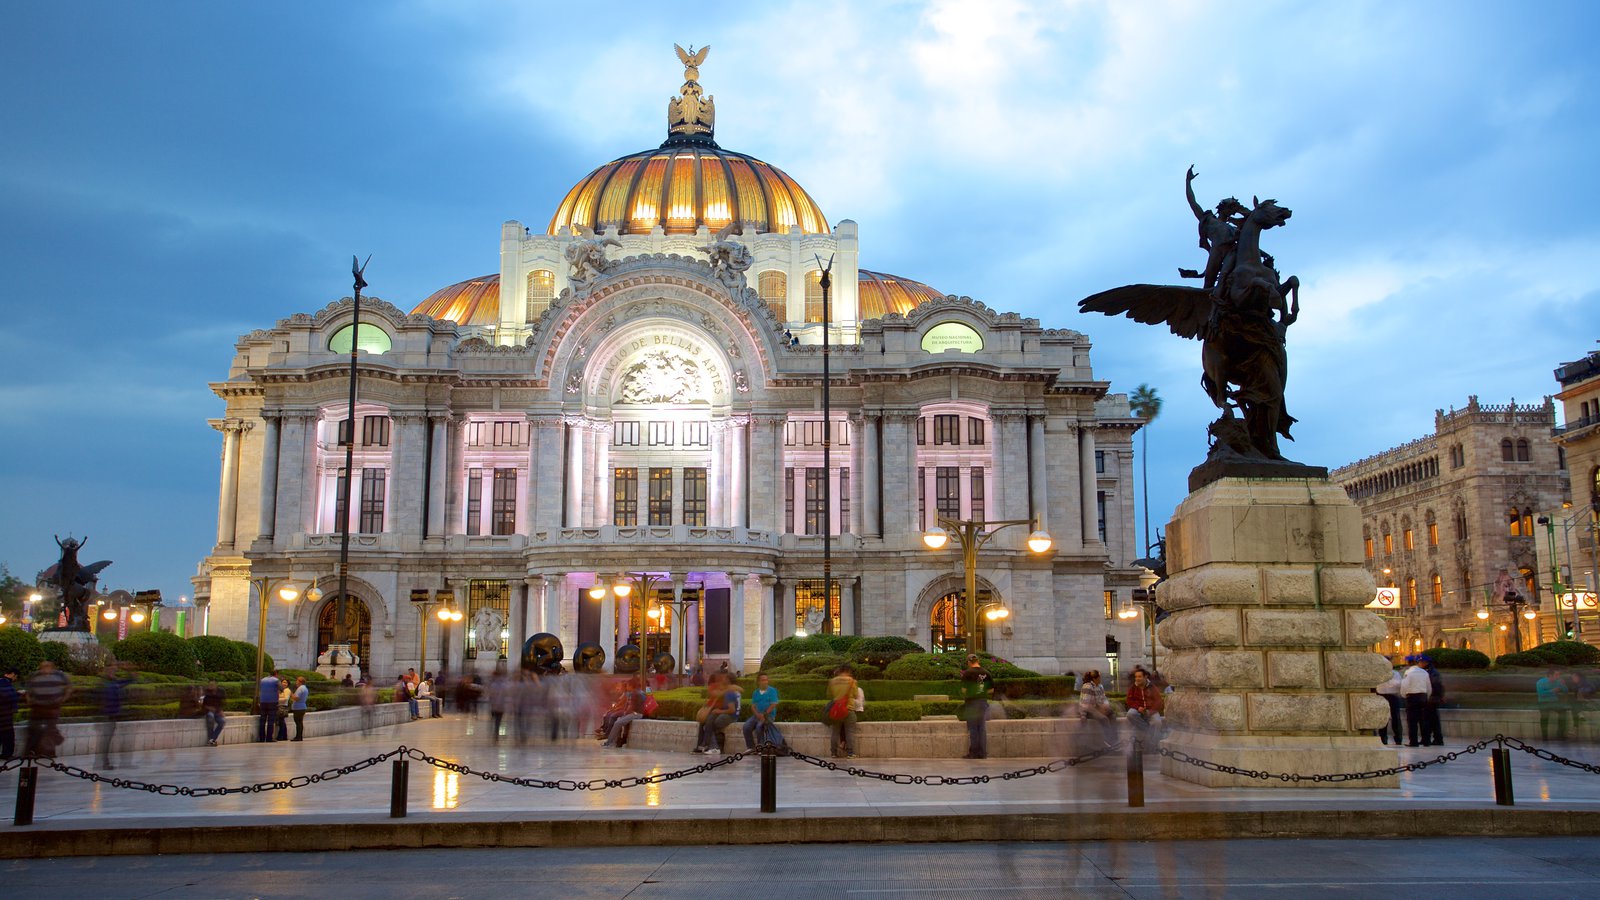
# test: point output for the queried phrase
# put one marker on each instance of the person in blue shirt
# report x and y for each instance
(1552, 699)
(762, 726)
(297, 705)
(267, 705)
(723, 710)
(112, 694)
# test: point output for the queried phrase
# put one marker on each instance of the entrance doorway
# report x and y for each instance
(360, 626)
(947, 625)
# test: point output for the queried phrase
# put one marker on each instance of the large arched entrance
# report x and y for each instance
(947, 625)
(360, 627)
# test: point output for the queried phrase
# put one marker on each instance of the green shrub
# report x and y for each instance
(219, 654)
(1446, 658)
(881, 651)
(1520, 659)
(249, 657)
(1570, 653)
(312, 678)
(1004, 668)
(58, 653)
(867, 672)
(222, 677)
(786, 651)
(924, 667)
(158, 651)
(21, 650)
(821, 663)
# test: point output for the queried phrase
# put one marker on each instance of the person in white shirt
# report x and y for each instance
(425, 692)
(1415, 686)
(1390, 691)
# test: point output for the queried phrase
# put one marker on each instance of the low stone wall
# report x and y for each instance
(1466, 725)
(1035, 738)
(83, 738)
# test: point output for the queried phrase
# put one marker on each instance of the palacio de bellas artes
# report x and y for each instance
(634, 397)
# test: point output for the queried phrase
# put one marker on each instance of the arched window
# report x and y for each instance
(1516, 522)
(1438, 589)
(1366, 541)
(1408, 538)
(1388, 540)
(814, 295)
(1458, 456)
(1411, 591)
(773, 286)
(1433, 529)
(945, 626)
(1461, 524)
(1522, 450)
(541, 290)
(1507, 450)
(1527, 522)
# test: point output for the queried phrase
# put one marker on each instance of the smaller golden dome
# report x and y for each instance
(475, 301)
(881, 294)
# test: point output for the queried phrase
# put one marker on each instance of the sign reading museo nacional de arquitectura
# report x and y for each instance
(635, 393)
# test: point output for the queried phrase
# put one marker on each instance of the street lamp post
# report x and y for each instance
(622, 588)
(971, 535)
(444, 599)
(288, 592)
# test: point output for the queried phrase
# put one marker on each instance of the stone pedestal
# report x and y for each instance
(1270, 657)
(338, 661)
(83, 647)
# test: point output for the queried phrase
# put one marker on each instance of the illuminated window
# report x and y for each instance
(816, 508)
(1433, 534)
(1438, 590)
(1388, 543)
(485, 595)
(773, 287)
(474, 501)
(503, 514)
(808, 595)
(1515, 518)
(1111, 603)
(1367, 541)
(625, 497)
(541, 290)
(372, 492)
(694, 497)
(1411, 591)
(660, 497)
(374, 340)
(814, 296)
(1408, 540)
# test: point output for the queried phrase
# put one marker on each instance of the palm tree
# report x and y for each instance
(1146, 404)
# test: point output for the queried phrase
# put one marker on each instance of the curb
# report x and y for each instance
(798, 826)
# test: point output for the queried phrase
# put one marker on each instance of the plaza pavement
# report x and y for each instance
(449, 808)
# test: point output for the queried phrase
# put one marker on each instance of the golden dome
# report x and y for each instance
(880, 294)
(475, 301)
(681, 186)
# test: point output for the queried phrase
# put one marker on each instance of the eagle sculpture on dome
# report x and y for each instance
(689, 113)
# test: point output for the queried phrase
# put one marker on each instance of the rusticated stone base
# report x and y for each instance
(1271, 649)
(1303, 756)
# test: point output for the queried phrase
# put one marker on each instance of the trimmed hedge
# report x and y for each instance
(924, 667)
(1569, 653)
(1446, 658)
(219, 654)
(820, 663)
(158, 651)
(1521, 659)
(786, 651)
(249, 651)
(881, 651)
(21, 650)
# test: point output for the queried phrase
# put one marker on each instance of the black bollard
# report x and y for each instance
(769, 781)
(1136, 774)
(397, 789)
(1501, 760)
(27, 783)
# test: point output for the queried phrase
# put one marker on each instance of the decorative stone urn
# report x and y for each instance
(1271, 649)
(337, 661)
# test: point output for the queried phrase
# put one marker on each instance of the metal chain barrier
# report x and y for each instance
(1546, 755)
(566, 784)
(941, 780)
(1336, 777)
(178, 790)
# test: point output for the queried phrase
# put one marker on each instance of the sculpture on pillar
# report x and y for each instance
(1241, 317)
(74, 581)
(588, 257)
(729, 259)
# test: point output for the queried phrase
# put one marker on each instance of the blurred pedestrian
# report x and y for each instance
(212, 703)
(8, 712)
(842, 698)
(403, 692)
(1415, 685)
(1390, 692)
(1093, 705)
(267, 708)
(367, 695)
(1552, 693)
(1432, 732)
(297, 705)
(1144, 704)
(47, 690)
(632, 700)
(113, 695)
(976, 688)
(500, 692)
(722, 710)
(348, 681)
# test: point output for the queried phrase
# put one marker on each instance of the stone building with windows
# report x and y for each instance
(1571, 551)
(1450, 518)
(636, 396)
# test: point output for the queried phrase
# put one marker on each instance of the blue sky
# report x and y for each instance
(174, 175)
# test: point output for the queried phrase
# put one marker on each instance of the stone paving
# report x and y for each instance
(728, 791)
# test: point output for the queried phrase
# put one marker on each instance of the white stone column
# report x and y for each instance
(268, 509)
(771, 436)
(601, 436)
(736, 659)
(608, 628)
(676, 646)
(898, 488)
(228, 497)
(520, 616)
(847, 606)
(1038, 492)
(1086, 490)
(574, 463)
(438, 475)
(552, 588)
(865, 479)
(768, 600)
(786, 611)
(691, 630)
(624, 619)
(566, 603)
(737, 504)
(717, 476)
(407, 467)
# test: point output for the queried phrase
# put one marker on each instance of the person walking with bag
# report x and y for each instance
(843, 705)
(976, 687)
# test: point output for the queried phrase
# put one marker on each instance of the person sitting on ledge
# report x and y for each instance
(1144, 705)
(1092, 704)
